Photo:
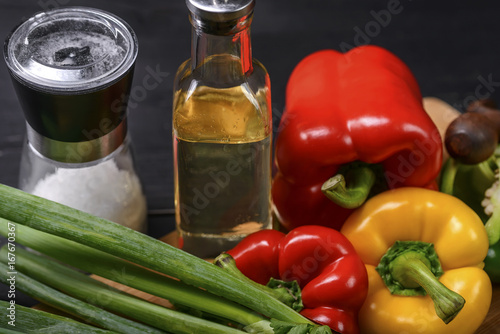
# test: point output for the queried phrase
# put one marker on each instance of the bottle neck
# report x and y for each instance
(214, 54)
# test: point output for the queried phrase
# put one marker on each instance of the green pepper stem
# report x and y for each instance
(411, 270)
(289, 295)
(448, 175)
(486, 169)
(493, 227)
(489, 167)
(353, 195)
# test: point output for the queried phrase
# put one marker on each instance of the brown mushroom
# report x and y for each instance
(473, 136)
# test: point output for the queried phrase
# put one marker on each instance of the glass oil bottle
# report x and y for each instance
(222, 129)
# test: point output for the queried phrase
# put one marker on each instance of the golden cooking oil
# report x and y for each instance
(222, 136)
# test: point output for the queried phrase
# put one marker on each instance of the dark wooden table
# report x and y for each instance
(452, 48)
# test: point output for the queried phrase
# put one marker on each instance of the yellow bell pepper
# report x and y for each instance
(398, 234)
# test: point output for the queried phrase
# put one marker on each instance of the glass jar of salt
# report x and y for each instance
(72, 71)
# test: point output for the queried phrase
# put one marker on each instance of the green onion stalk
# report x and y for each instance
(83, 287)
(115, 269)
(54, 218)
(100, 234)
(28, 320)
(72, 306)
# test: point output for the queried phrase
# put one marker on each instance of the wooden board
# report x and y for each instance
(491, 324)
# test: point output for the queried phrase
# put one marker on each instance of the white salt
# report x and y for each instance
(102, 190)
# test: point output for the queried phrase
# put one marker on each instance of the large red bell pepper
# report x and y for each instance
(359, 114)
(330, 273)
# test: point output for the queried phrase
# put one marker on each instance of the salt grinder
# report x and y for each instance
(72, 71)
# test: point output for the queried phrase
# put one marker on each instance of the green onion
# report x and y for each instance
(28, 320)
(83, 287)
(118, 270)
(98, 233)
(9, 331)
(72, 306)
(288, 292)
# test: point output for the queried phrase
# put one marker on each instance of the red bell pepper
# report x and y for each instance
(331, 275)
(358, 114)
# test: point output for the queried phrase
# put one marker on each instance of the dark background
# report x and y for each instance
(452, 48)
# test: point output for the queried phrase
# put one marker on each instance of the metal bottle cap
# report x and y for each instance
(71, 49)
(72, 70)
(220, 16)
(220, 10)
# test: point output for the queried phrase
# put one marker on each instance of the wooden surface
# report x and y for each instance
(491, 324)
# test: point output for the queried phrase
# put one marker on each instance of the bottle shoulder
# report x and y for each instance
(183, 74)
(238, 110)
(259, 79)
(221, 71)
(259, 69)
